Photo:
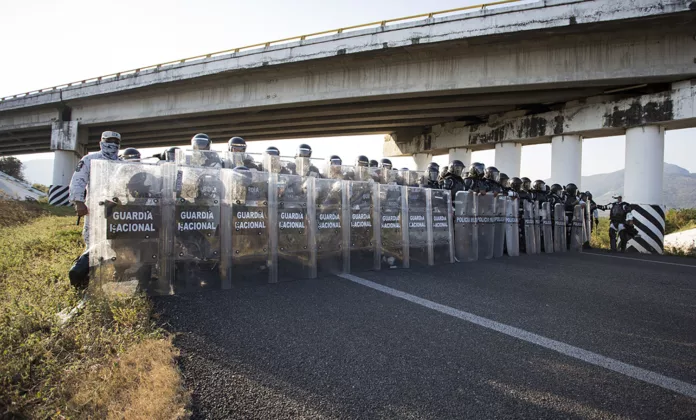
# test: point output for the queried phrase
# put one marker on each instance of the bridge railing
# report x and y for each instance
(338, 31)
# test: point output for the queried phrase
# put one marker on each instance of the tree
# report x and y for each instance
(12, 167)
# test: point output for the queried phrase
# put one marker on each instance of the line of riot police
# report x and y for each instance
(200, 219)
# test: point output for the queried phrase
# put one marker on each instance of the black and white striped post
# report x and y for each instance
(645, 149)
(67, 153)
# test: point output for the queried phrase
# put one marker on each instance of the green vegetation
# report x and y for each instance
(12, 167)
(110, 361)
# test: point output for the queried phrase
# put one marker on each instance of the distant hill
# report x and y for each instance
(679, 186)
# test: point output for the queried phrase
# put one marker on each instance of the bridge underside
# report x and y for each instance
(405, 89)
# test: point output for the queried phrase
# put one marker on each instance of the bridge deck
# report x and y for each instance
(334, 348)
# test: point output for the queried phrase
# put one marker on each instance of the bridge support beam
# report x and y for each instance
(508, 158)
(460, 153)
(566, 160)
(68, 145)
(422, 160)
(645, 150)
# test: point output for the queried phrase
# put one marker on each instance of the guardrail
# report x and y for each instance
(382, 23)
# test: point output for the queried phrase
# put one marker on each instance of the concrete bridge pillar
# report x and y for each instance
(566, 160)
(422, 160)
(645, 150)
(460, 153)
(68, 145)
(508, 157)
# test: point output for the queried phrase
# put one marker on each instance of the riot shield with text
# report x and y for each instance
(231, 160)
(559, 228)
(485, 219)
(466, 237)
(547, 227)
(499, 204)
(393, 247)
(529, 234)
(360, 254)
(441, 230)
(127, 246)
(246, 242)
(417, 225)
(291, 253)
(327, 195)
(198, 196)
(577, 228)
(512, 228)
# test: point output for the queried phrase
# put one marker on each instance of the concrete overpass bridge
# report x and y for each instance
(447, 82)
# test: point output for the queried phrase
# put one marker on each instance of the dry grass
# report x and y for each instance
(45, 369)
(142, 383)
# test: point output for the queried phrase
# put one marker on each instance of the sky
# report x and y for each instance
(58, 42)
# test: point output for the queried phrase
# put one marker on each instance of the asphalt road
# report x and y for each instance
(333, 348)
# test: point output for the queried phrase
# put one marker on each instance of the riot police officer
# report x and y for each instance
(431, 176)
(334, 167)
(453, 180)
(130, 154)
(555, 195)
(238, 145)
(516, 189)
(168, 154)
(539, 191)
(271, 161)
(594, 212)
(491, 177)
(386, 176)
(504, 183)
(570, 200)
(362, 169)
(303, 164)
(474, 180)
(202, 154)
(618, 220)
(443, 172)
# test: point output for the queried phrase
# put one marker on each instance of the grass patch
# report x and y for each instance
(111, 360)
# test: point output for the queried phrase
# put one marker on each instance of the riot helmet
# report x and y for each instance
(539, 185)
(556, 189)
(374, 163)
(236, 144)
(589, 195)
(272, 151)
(526, 183)
(208, 186)
(515, 184)
(571, 190)
(432, 172)
(456, 167)
(492, 173)
(362, 161)
(140, 185)
(304, 150)
(444, 171)
(169, 154)
(200, 142)
(504, 180)
(131, 154)
(386, 163)
(335, 160)
(477, 170)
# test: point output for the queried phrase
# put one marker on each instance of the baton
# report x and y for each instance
(78, 221)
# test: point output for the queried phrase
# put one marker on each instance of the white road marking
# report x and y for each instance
(639, 259)
(635, 372)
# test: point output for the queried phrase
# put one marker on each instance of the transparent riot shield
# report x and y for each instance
(466, 236)
(198, 196)
(417, 225)
(588, 222)
(499, 204)
(359, 251)
(127, 239)
(547, 227)
(577, 229)
(245, 238)
(231, 160)
(529, 234)
(392, 247)
(512, 228)
(388, 176)
(292, 255)
(198, 158)
(441, 231)
(559, 228)
(537, 227)
(485, 219)
(327, 228)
